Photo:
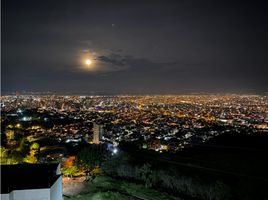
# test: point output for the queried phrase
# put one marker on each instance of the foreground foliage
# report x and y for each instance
(120, 166)
(107, 188)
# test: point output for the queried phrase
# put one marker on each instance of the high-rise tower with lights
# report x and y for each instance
(97, 133)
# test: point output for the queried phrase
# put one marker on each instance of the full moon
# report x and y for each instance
(88, 62)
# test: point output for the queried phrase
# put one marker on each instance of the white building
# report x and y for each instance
(31, 182)
(97, 133)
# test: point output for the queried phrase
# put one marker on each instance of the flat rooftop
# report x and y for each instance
(27, 176)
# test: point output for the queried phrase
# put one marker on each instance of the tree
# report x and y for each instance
(90, 158)
(69, 162)
(115, 162)
(14, 157)
(3, 154)
(10, 156)
(70, 171)
(33, 154)
(146, 175)
(23, 147)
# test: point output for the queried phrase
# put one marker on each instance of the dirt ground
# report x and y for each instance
(74, 186)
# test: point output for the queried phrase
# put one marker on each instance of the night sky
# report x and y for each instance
(136, 47)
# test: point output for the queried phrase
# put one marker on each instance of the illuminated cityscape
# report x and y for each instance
(134, 100)
(53, 126)
(161, 123)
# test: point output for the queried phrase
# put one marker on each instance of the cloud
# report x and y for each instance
(116, 62)
(109, 61)
(113, 59)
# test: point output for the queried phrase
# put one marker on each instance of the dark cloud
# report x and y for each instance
(114, 62)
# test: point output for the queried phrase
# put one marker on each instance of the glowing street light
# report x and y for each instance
(115, 151)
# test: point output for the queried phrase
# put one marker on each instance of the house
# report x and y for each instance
(31, 182)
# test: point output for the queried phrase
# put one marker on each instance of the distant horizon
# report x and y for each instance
(48, 93)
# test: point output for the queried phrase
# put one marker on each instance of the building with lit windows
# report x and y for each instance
(97, 133)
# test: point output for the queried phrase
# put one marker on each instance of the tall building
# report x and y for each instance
(97, 133)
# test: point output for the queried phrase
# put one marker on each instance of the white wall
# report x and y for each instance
(58, 172)
(53, 193)
(4, 196)
(36, 194)
(56, 190)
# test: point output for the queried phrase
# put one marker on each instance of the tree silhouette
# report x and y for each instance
(90, 158)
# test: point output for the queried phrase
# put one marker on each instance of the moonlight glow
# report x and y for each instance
(88, 62)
